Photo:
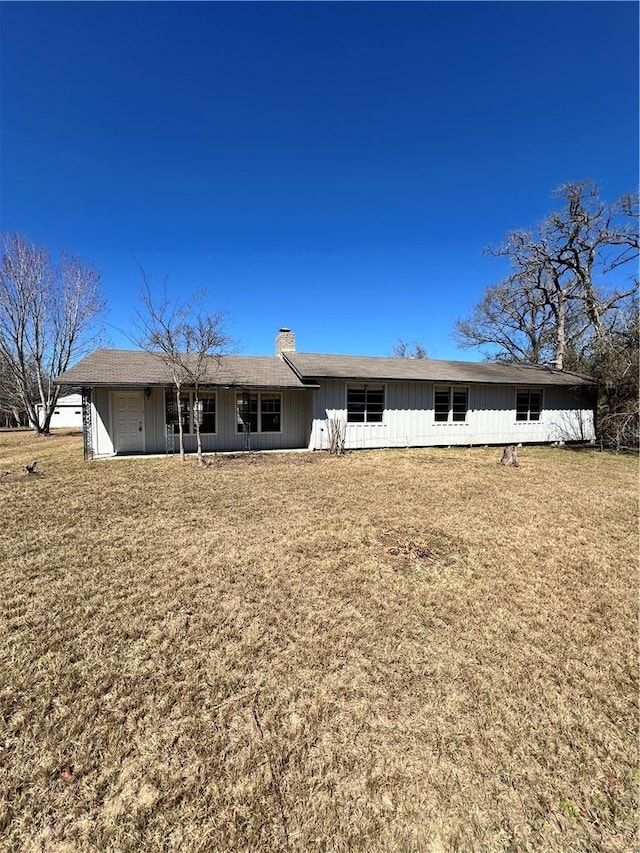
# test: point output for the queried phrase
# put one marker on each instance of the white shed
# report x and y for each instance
(67, 413)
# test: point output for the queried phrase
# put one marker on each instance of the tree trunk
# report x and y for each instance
(196, 424)
(510, 456)
(180, 432)
(32, 413)
(45, 426)
(561, 341)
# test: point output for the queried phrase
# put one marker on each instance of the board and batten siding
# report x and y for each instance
(296, 412)
(295, 415)
(103, 419)
(101, 440)
(408, 419)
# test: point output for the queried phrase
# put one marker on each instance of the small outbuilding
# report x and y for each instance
(67, 413)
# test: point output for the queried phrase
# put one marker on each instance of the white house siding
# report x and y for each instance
(569, 422)
(155, 431)
(408, 419)
(296, 411)
(101, 441)
(296, 408)
(103, 419)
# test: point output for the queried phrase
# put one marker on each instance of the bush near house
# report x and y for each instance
(389, 650)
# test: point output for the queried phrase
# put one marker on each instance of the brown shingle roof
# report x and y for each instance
(135, 367)
(300, 370)
(315, 366)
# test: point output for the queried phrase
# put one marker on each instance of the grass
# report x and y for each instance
(390, 651)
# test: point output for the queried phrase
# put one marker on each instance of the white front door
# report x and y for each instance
(128, 415)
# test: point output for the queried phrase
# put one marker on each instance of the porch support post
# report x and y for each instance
(87, 431)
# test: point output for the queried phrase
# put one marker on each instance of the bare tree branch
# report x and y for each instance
(559, 297)
(48, 316)
(409, 349)
(565, 303)
(188, 340)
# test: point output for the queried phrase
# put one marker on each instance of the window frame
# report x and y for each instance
(258, 396)
(187, 398)
(529, 389)
(261, 413)
(202, 396)
(377, 386)
(451, 389)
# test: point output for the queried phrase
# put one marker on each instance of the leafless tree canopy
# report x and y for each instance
(569, 285)
(187, 339)
(615, 364)
(48, 316)
(571, 301)
(409, 349)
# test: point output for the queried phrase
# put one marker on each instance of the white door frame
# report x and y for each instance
(135, 394)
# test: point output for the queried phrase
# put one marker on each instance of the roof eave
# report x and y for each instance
(522, 381)
(237, 385)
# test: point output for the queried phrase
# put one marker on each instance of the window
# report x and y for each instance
(247, 412)
(261, 412)
(528, 404)
(172, 411)
(206, 411)
(450, 404)
(365, 404)
(270, 412)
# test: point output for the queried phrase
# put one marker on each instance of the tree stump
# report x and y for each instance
(27, 473)
(510, 456)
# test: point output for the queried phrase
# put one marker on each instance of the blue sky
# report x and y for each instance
(336, 168)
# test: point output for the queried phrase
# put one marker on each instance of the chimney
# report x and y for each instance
(285, 342)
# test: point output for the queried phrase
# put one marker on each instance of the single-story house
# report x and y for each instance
(292, 399)
(67, 413)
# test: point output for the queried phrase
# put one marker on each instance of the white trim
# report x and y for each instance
(364, 383)
(188, 396)
(202, 395)
(528, 420)
(136, 394)
(451, 386)
(258, 395)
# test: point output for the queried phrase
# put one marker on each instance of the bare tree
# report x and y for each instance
(48, 316)
(337, 433)
(570, 302)
(205, 342)
(11, 405)
(515, 320)
(187, 340)
(615, 364)
(409, 349)
(560, 294)
(159, 326)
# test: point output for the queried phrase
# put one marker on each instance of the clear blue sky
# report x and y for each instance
(332, 167)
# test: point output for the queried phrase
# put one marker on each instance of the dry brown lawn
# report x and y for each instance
(390, 651)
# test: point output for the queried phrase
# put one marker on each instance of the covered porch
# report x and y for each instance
(125, 421)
